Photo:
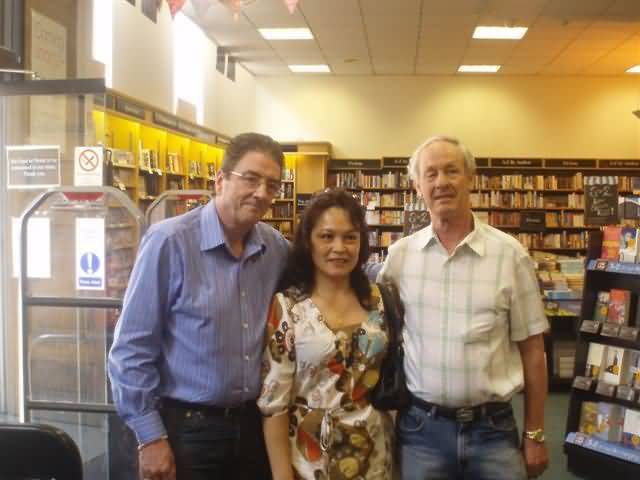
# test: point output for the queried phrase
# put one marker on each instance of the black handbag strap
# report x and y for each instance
(394, 312)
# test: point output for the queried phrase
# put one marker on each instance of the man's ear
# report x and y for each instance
(218, 182)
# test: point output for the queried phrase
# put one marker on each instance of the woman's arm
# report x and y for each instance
(276, 437)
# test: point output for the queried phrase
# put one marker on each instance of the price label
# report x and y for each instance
(590, 326)
(605, 389)
(628, 333)
(583, 383)
(610, 329)
(626, 393)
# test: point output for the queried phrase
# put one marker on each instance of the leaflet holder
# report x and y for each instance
(175, 202)
(77, 249)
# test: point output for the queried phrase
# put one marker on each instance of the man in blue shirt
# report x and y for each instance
(185, 362)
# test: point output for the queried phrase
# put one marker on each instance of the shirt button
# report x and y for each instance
(243, 293)
(246, 389)
(246, 357)
(245, 325)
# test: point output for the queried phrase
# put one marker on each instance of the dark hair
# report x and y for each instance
(243, 143)
(300, 270)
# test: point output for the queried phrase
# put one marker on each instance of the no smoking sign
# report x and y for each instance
(88, 166)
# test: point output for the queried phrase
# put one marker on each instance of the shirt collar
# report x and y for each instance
(474, 240)
(212, 234)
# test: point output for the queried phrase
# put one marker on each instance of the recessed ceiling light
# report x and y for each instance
(479, 68)
(500, 33)
(309, 68)
(634, 69)
(286, 33)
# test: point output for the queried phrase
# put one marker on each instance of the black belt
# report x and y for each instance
(462, 414)
(208, 410)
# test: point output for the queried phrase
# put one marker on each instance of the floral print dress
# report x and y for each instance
(320, 379)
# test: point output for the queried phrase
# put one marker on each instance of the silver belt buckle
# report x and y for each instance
(464, 415)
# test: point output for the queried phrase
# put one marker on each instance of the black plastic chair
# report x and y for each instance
(32, 451)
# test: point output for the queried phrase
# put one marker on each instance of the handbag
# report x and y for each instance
(391, 393)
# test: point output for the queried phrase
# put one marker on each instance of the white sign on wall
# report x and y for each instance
(88, 164)
(38, 247)
(90, 254)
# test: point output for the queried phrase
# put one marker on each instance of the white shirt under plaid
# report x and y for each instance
(465, 313)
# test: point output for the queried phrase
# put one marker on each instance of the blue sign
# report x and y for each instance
(90, 263)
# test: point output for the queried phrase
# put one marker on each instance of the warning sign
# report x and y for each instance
(90, 250)
(88, 167)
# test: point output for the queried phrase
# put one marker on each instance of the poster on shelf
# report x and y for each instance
(90, 254)
(88, 166)
(38, 247)
(600, 200)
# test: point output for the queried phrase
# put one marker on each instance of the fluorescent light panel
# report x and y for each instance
(310, 68)
(634, 69)
(479, 68)
(500, 33)
(286, 33)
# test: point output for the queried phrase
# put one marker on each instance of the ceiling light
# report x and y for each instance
(500, 33)
(286, 33)
(634, 69)
(479, 68)
(309, 68)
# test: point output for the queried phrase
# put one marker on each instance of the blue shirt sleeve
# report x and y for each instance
(135, 353)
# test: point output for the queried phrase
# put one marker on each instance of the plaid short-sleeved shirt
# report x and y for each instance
(465, 312)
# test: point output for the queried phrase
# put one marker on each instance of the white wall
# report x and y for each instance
(143, 68)
(368, 117)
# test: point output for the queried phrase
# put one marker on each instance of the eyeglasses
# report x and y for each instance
(253, 182)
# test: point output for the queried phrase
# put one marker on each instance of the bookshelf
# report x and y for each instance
(600, 439)
(149, 151)
(505, 193)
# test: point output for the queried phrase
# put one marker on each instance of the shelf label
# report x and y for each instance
(516, 162)
(482, 162)
(590, 326)
(130, 108)
(583, 383)
(606, 389)
(628, 333)
(187, 128)
(626, 393)
(395, 161)
(33, 166)
(570, 163)
(345, 164)
(619, 163)
(610, 329)
(165, 120)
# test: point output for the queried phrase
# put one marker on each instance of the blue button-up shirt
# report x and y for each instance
(194, 318)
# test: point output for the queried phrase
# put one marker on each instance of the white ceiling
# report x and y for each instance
(430, 37)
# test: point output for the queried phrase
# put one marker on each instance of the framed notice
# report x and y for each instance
(600, 200)
(415, 220)
(33, 166)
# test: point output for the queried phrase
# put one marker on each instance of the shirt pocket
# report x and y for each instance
(489, 314)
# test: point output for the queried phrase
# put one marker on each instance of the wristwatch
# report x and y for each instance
(535, 435)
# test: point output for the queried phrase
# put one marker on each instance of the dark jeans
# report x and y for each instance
(210, 446)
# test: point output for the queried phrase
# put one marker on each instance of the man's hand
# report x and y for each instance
(156, 461)
(535, 457)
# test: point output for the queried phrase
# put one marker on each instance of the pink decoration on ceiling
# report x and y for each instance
(175, 6)
(291, 5)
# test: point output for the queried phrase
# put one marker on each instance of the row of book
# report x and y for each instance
(610, 422)
(286, 192)
(563, 219)
(357, 179)
(529, 182)
(620, 244)
(501, 199)
(384, 217)
(280, 210)
(613, 365)
(372, 200)
(383, 239)
(562, 240)
(287, 174)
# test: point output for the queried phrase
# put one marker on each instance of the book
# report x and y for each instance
(631, 429)
(610, 421)
(628, 244)
(588, 418)
(601, 309)
(634, 368)
(595, 359)
(610, 243)
(602, 446)
(615, 370)
(619, 303)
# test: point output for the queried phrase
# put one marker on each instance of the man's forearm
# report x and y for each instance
(535, 381)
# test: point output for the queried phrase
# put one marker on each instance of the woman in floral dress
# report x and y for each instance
(325, 342)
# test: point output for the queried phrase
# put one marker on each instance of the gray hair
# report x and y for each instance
(414, 161)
